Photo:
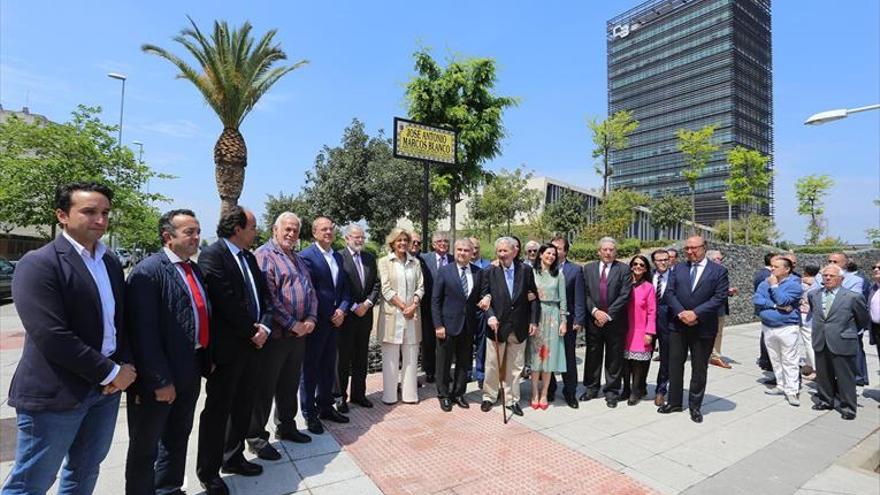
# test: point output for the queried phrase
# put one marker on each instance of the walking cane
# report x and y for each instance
(501, 366)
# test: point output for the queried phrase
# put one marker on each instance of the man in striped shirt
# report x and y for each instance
(294, 305)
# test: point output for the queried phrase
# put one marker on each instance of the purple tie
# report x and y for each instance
(359, 266)
(603, 288)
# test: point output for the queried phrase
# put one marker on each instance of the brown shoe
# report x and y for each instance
(659, 400)
(717, 361)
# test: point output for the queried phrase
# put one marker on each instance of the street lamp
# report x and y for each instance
(120, 77)
(140, 146)
(840, 113)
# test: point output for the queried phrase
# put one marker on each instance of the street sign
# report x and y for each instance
(415, 141)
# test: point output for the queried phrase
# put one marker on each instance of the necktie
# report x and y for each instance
(359, 266)
(249, 285)
(442, 261)
(658, 290)
(827, 300)
(508, 277)
(603, 288)
(693, 275)
(201, 308)
(464, 283)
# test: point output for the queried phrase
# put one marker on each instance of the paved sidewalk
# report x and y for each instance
(749, 443)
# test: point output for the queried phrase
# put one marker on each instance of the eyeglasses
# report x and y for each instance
(531, 250)
(638, 264)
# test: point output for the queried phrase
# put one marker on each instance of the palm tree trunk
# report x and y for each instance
(230, 159)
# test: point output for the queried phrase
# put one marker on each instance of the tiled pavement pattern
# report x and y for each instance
(749, 443)
(417, 449)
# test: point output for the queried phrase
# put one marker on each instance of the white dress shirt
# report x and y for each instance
(468, 275)
(700, 267)
(331, 262)
(664, 278)
(98, 270)
(177, 261)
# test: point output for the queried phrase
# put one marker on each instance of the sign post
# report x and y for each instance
(428, 144)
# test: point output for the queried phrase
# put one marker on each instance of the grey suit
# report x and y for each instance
(835, 342)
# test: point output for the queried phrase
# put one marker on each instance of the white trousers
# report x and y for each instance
(807, 354)
(513, 357)
(783, 349)
(406, 374)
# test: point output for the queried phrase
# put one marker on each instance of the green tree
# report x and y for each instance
(276, 205)
(232, 74)
(361, 180)
(668, 211)
(540, 226)
(697, 148)
(761, 229)
(749, 180)
(616, 213)
(811, 191)
(38, 156)
(460, 97)
(506, 196)
(568, 214)
(610, 135)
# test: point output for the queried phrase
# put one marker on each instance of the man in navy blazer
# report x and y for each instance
(319, 365)
(660, 279)
(696, 290)
(169, 327)
(431, 262)
(574, 294)
(68, 295)
(240, 325)
(454, 301)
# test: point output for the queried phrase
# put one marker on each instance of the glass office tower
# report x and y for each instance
(685, 64)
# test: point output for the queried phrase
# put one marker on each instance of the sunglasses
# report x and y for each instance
(876, 267)
(638, 264)
(532, 250)
(416, 242)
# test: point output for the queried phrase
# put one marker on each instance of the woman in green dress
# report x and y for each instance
(547, 346)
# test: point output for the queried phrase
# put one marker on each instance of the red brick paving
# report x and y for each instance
(419, 449)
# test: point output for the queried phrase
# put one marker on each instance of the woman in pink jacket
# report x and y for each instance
(639, 343)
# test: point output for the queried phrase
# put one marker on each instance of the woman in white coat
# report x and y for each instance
(399, 324)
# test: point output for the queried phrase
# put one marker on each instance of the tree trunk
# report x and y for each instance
(230, 159)
(452, 203)
(694, 210)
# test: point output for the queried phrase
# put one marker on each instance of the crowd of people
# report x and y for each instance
(293, 328)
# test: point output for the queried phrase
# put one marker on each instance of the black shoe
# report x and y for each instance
(315, 426)
(486, 406)
(572, 402)
(480, 384)
(215, 486)
(551, 397)
(612, 403)
(633, 400)
(848, 416)
(362, 401)
(266, 452)
(446, 404)
(242, 467)
(333, 415)
(770, 382)
(342, 407)
(821, 407)
(430, 379)
(696, 416)
(666, 409)
(588, 396)
(461, 402)
(515, 409)
(293, 436)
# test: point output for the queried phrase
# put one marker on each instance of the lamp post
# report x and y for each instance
(120, 77)
(842, 113)
(140, 146)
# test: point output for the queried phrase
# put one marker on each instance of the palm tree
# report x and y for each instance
(232, 74)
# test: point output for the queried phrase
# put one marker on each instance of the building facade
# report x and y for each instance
(685, 64)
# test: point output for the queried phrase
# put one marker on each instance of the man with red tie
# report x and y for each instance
(169, 328)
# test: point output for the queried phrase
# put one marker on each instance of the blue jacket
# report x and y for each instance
(787, 293)
(330, 295)
(705, 299)
(449, 306)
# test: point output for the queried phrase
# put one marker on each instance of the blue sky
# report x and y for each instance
(551, 55)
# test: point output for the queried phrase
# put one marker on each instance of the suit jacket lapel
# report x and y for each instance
(79, 267)
(174, 274)
(838, 300)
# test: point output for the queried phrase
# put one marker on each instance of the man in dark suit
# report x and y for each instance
(660, 279)
(607, 285)
(170, 331)
(354, 337)
(438, 258)
(512, 317)
(454, 301)
(68, 295)
(292, 302)
(240, 323)
(574, 294)
(694, 294)
(334, 302)
(838, 316)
